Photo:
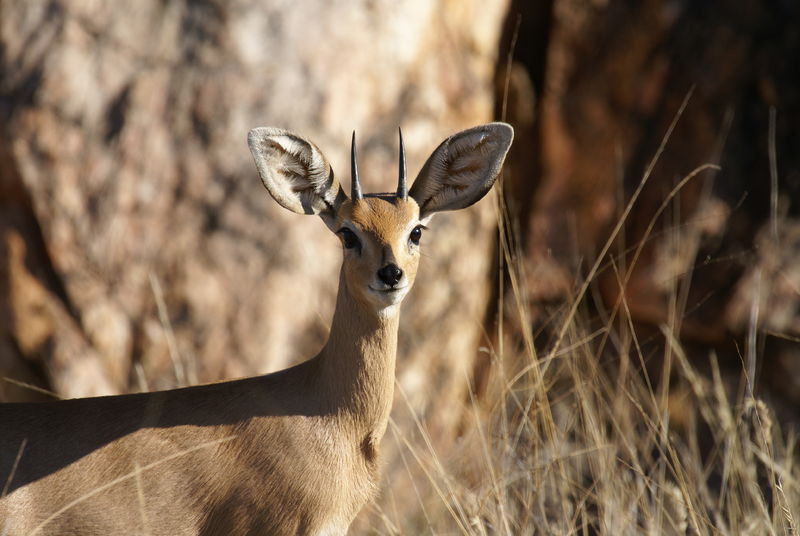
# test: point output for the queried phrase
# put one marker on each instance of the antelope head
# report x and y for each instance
(380, 233)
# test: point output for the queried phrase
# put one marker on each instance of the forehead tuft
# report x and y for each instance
(382, 215)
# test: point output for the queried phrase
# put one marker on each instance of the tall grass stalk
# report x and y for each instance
(579, 435)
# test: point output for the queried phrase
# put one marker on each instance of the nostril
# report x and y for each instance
(390, 274)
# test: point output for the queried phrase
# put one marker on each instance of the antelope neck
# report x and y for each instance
(358, 361)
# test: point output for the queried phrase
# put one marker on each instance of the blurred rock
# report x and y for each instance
(605, 84)
(768, 292)
(123, 131)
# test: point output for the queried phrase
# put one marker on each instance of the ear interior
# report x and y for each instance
(295, 172)
(462, 169)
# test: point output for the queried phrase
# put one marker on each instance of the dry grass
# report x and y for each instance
(578, 439)
(588, 447)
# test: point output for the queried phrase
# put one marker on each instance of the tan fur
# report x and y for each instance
(294, 452)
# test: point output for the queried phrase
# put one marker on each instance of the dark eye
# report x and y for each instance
(349, 238)
(416, 234)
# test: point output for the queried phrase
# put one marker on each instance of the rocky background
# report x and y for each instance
(138, 250)
(592, 91)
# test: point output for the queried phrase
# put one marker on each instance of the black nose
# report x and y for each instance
(390, 274)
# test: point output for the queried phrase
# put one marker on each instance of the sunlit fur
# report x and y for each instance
(293, 452)
(304, 448)
(383, 224)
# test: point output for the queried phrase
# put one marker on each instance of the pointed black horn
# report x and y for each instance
(402, 188)
(356, 186)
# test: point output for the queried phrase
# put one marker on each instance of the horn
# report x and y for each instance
(402, 189)
(356, 186)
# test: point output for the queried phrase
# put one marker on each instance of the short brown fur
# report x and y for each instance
(293, 452)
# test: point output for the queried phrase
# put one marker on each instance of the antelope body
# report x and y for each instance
(293, 452)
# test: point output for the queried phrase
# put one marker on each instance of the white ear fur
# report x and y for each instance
(462, 169)
(295, 172)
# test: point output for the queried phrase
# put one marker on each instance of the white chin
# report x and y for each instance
(388, 299)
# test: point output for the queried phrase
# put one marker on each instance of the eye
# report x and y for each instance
(416, 234)
(349, 238)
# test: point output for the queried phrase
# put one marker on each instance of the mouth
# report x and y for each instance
(389, 290)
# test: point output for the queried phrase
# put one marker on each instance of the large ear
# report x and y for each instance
(462, 169)
(295, 173)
